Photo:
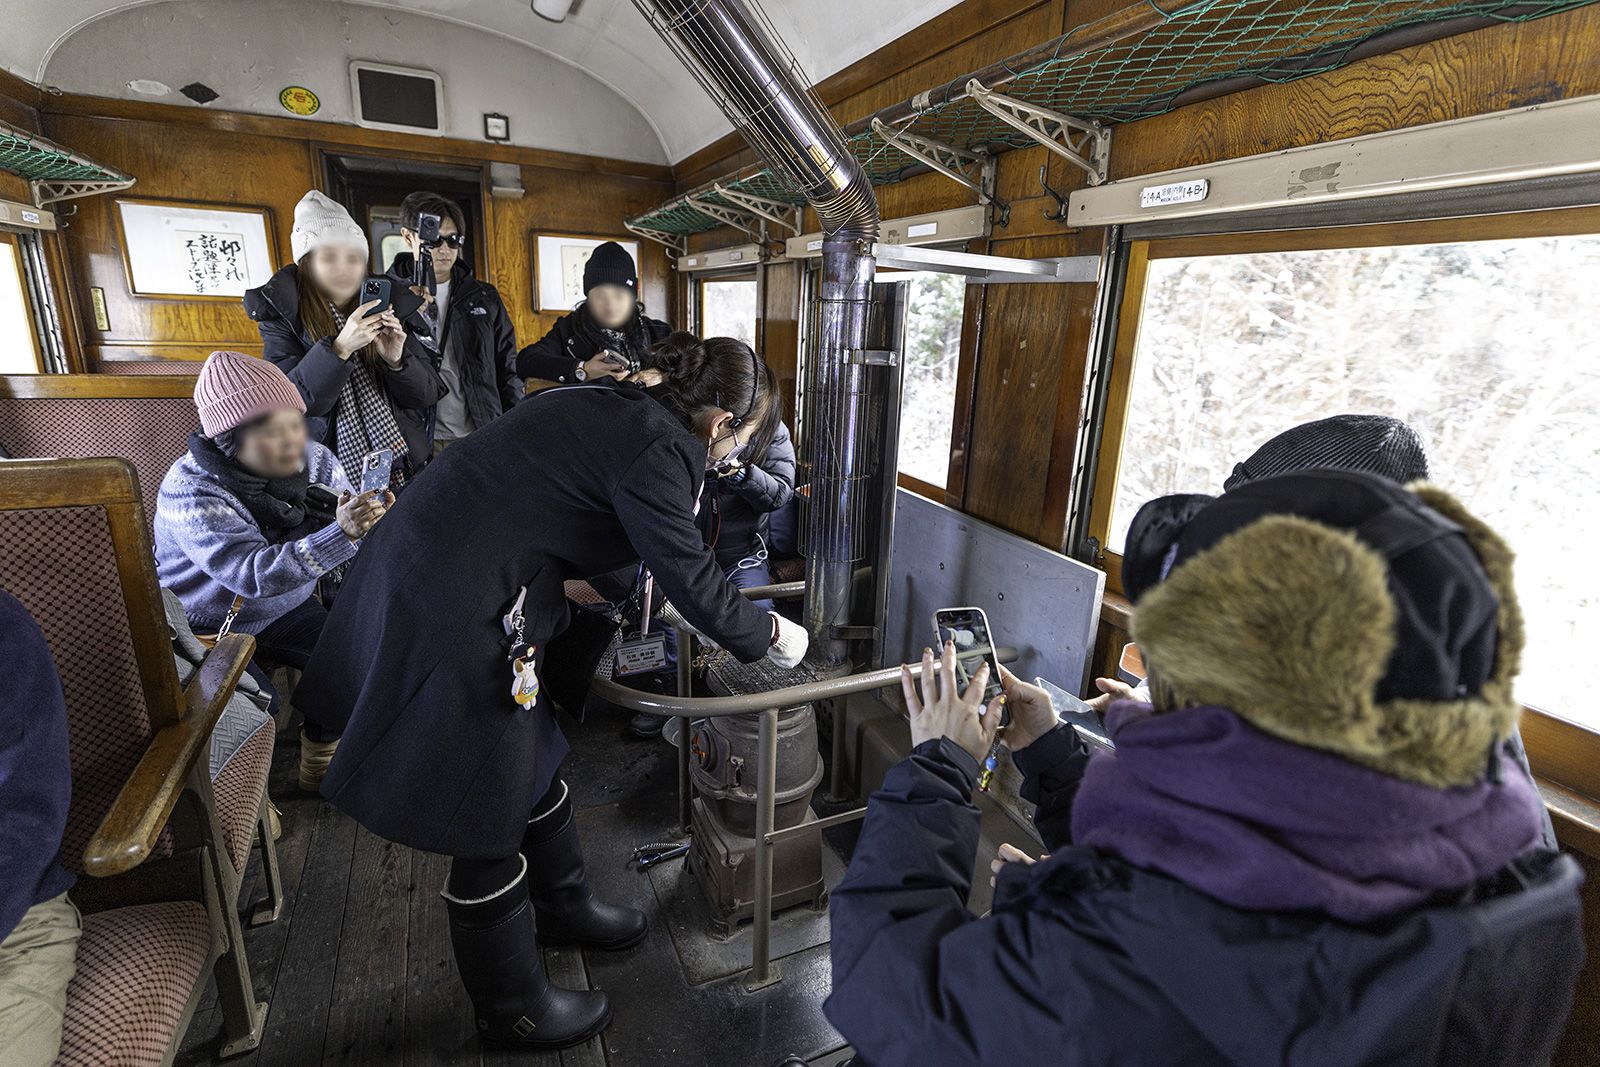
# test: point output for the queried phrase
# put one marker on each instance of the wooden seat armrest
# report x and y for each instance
(130, 829)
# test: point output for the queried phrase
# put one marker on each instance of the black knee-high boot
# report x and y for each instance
(568, 911)
(498, 956)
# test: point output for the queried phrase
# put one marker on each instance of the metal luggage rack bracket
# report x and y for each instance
(767, 704)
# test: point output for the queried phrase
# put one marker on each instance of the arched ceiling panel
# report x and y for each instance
(608, 40)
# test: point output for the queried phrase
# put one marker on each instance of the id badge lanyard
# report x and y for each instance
(645, 653)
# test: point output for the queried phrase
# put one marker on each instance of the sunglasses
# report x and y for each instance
(454, 240)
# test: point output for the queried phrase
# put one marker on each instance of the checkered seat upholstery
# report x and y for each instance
(137, 969)
(127, 420)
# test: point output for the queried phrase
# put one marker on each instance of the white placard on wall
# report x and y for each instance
(558, 263)
(180, 251)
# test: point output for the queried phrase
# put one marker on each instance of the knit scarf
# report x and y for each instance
(363, 418)
(1264, 824)
(279, 506)
(631, 342)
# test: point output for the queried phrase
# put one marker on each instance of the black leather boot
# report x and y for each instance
(497, 954)
(567, 910)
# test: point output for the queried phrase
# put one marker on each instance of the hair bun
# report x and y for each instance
(681, 356)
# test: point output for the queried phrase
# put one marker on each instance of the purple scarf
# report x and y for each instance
(1265, 824)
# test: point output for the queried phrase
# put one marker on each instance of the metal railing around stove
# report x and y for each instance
(767, 704)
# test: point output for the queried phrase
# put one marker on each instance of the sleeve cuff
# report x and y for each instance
(949, 754)
(329, 547)
(1054, 748)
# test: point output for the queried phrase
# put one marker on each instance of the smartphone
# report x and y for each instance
(376, 467)
(379, 289)
(968, 628)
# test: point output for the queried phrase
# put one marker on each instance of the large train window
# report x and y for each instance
(728, 308)
(934, 304)
(19, 338)
(1478, 332)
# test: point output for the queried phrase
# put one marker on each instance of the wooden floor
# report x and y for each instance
(358, 969)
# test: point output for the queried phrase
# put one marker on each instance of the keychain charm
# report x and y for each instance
(989, 766)
(524, 682)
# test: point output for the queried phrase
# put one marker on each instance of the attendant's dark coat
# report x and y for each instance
(319, 373)
(576, 338)
(569, 484)
(1087, 960)
(477, 334)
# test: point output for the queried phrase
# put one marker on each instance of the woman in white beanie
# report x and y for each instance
(367, 382)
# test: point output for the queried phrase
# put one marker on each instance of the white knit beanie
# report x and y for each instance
(319, 221)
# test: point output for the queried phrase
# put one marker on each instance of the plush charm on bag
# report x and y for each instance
(524, 682)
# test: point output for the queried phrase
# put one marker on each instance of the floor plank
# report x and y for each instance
(439, 1026)
(367, 1021)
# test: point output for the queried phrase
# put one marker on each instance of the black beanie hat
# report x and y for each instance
(610, 264)
(1373, 443)
(1335, 609)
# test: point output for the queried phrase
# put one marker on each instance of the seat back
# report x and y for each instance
(144, 420)
(134, 367)
(75, 550)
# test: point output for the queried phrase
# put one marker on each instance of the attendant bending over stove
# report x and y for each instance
(433, 650)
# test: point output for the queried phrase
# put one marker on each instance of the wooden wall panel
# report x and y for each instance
(261, 165)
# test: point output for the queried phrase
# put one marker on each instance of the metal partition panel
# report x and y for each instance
(1045, 604)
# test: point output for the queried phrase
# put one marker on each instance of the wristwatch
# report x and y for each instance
(579, 374)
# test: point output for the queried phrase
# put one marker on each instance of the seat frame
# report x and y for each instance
(173, 776)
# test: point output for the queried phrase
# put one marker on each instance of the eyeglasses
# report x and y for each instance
(454, 240)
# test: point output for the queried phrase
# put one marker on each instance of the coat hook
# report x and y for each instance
(1060, 213)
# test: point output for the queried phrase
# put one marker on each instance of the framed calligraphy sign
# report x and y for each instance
(194, 251)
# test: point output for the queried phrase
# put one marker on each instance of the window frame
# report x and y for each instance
(698, 292)
(1565, 753)
(13, 241)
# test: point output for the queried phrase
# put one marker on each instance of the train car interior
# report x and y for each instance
(1197, 367)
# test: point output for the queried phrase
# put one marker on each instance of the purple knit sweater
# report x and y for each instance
(208, 548)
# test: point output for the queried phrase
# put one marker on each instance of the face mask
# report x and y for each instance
(730, 460)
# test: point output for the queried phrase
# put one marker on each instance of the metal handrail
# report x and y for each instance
(750, 703)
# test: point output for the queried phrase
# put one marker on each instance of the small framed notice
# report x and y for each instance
(194, 251)
(1176, 193)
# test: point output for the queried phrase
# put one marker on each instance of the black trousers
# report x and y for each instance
(287, 642)
(473, 879)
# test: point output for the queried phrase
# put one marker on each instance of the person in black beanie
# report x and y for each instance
(608, 334)
(1376, 444)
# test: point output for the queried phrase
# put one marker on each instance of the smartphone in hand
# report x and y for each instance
(379, 289)
(376, 468)
(968, 628)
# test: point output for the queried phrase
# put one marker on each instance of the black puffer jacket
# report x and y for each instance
(576, 338)
(477, 335)
(733, 515)
(319, 373)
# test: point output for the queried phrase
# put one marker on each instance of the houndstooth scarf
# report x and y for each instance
(363, 418)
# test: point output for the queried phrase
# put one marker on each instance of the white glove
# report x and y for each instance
(790, 647)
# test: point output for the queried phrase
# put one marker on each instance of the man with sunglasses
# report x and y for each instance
(464, 323)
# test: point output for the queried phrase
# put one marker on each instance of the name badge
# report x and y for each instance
(642, 654)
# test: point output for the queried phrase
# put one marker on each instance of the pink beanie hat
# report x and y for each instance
(234, 389)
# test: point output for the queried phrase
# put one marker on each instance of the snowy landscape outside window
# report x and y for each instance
(1488, 348)
(728, 309)
(932, 352)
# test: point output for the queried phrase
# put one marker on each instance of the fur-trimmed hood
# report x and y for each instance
(1293, 624)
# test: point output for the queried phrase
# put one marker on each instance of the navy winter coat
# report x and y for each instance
(413, 658)
(319, 373)
(1088, 960)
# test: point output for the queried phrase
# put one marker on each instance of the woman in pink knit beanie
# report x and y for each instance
(258, 512)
